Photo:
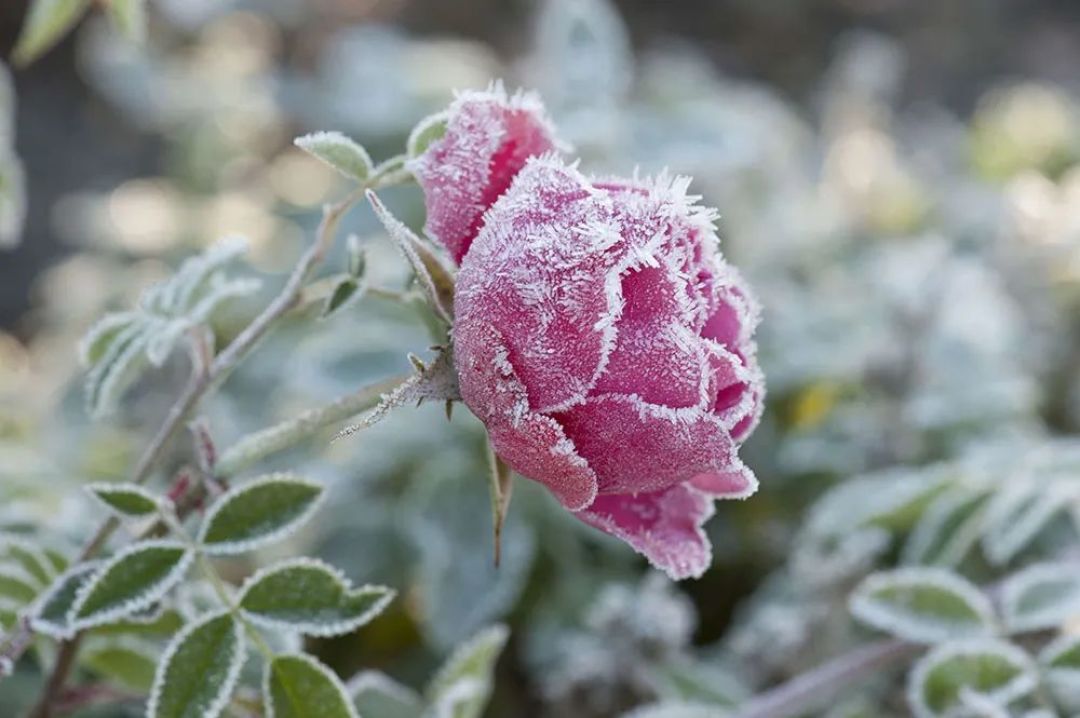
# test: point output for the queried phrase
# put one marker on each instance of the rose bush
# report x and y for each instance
(599, 334)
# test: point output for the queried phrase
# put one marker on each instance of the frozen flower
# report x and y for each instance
(488, 137)
(607, 347)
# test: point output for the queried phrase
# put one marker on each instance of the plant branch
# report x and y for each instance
(803, 693)
(203, 379)
(288, 433)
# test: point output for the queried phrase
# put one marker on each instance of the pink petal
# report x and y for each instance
(664, 526)
(488, 138)
(539, 271)
(532, 444)
(735, 482)
(633, 446)
(655, 356)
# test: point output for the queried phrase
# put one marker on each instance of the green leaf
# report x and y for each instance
(34, 560)
(51, 617)
(994, 670)
(435, 278)
(97, 340)
(391, 171)
(46, 23)
(124, 660)
(338, 151)
(922, 604)
(1060, 662)
(1016, 518)
(893, 500)
(199, 671)
(310, 597)
(130, 500)
(123, 361)
(258, 512)
(129, 17)
(377, 695)
(1040, 596)
(948, 529)
(131, 581)
(16, 584)
(341, 295)
(462, 687)
(161, 623)
(428, 130)
(298, 686)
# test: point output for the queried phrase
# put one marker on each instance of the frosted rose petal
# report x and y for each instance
(655, 355)
(534, 445)
(664, 526)
(538, 271)
(488, 138)
(635, 446)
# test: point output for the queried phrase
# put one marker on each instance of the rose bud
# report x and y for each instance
(488, 137)
(607, 347)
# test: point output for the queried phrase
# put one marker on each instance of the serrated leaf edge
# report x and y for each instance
(315, 629)
(98, 488)
(318, 666)
(50, 628)
(234, 547)
(232, 676)
(137, 603)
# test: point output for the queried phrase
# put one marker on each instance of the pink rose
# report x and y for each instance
(489, 135)
(599, 334)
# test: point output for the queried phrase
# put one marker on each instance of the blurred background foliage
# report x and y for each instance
(899, 181)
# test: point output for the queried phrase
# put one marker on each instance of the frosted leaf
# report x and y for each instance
(948, 529)
(1017, 516)
(434, 277)
(994, 670)
(311, 597)
(51, 614)
(121, 345)
(426, 131)
(922, 605)
(299, 686)
(340, 152)
(380, 696)
(125, 499)
(463, 685)
(1040, 596)
(132, 580)
(261, 511)
(200, 669)
(1060, 665)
